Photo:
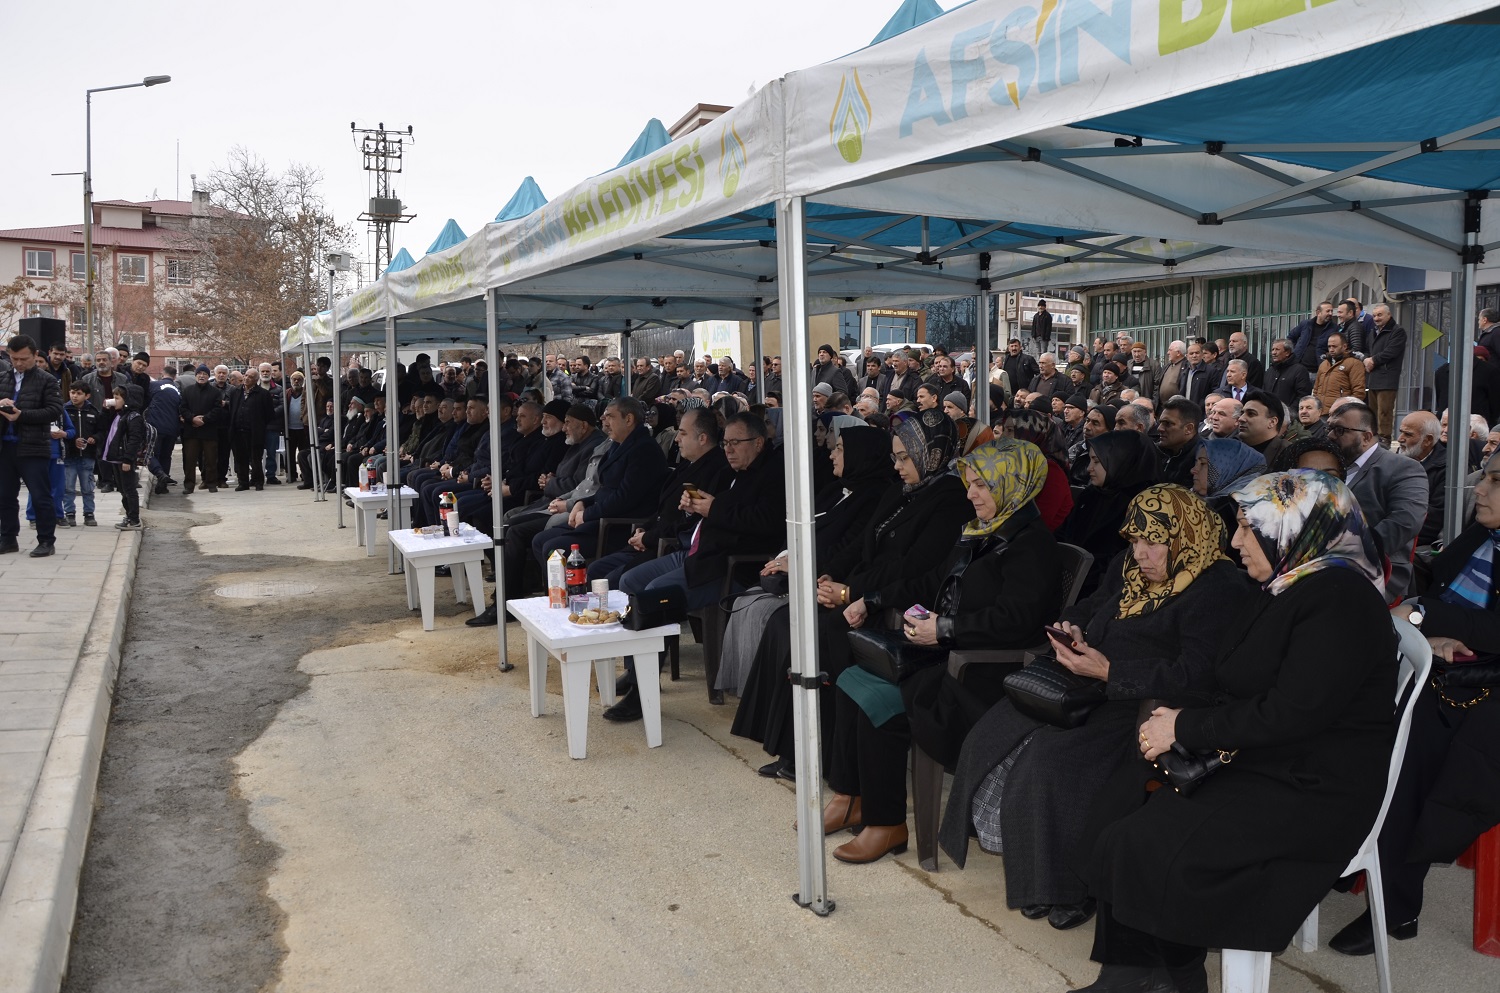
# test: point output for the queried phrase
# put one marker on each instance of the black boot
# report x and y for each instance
(488, 619)
(1065, 917)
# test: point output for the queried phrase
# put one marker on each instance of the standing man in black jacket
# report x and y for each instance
(200, 411)
(1286, 379)
(1383, 361)
(251, 408)
(29, 403)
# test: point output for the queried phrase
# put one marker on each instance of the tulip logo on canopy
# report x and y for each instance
(851, 118)
(733, 158)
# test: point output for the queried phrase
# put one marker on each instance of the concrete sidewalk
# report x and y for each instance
(59, 654)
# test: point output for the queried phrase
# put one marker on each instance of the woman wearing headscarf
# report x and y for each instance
(910, 530)
(862, 475)
(1096, 421)
(1223, 466)
(996, 589)
(1300, 698)
(1056, 499)
(773, 424)
(1025, 787)
(1120, 465)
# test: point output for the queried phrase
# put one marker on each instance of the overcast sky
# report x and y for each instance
(557, 89)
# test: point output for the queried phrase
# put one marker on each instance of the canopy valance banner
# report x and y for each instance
(990, 71)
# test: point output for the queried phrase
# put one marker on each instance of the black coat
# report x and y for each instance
(204, 401)
(630, 478)
(1094, 526)
(86, 424)
(1288, 382)
(908, 535)
(1464, 802)
(1388, 350)
(1304, 684)
(40, 404)
(252, 410)
(748, 518)
(1166, 654)
(1484, 389)
(710, 474)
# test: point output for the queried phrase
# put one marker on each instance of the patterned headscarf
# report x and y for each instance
(1308, 521)
(1038, 428)
(1167, 514)
(971, 434)
(1013, 470)
(1231, 463)
(929, 437)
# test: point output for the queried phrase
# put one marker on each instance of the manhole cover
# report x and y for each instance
(264, 590)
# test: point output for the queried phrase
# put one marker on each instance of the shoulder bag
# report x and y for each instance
(890, 656)
(1045, 690)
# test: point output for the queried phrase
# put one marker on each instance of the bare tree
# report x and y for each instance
(257, 257)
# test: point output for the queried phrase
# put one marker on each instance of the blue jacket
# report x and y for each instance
(630, 478)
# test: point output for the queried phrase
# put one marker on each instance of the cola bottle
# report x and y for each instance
(576, 573)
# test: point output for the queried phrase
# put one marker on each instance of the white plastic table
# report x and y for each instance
(423, 555)
(548, 632)
(368, 503)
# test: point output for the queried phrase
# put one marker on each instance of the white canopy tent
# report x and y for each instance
(949, 161)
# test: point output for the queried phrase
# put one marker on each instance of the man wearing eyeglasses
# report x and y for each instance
(1391, 488)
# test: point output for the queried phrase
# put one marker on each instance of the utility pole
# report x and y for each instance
(382, 151)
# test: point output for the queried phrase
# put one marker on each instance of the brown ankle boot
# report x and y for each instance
(841, 814)
(873, 843)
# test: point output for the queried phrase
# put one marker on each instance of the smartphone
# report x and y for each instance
(1458, 657)
(917, 612)
(1061, 634)
(691, 491)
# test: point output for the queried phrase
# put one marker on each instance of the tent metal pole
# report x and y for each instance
(982, 337)
(546, 379)
(1460, 373)
(337, 368)
(314, 461)
(392, 443)
(758, 343)
(791, 264)
(497, 501)
(625, 360)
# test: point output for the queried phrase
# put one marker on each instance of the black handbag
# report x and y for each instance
(890, 656)
(1478, 676)
(654, 608)
(1045, 690)
(1186, 771)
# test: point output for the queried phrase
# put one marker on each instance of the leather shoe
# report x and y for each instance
(625, 684)
(8, 545)
(1065, 917)
(787, 770)
(841, 813)
(1129, 979)
(42, 551)
(1036, 911)
(872, 844)
(627, 710)
(488, 619)
(769, 769)
(1358, 936)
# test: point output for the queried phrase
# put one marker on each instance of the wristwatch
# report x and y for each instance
(1417, 613)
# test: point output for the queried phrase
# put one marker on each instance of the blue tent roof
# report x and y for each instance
(1406, 89)
(528, 199)
(653, 136)
(451, 235)
(403, 260)
(907, 16)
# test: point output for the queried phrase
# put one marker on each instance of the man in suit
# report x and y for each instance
(1418, 440)
(1391, 489)
(1286, 378)
(1239, 348)
(1197, 380)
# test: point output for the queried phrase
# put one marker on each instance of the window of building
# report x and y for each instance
(133, 269)
(77, 320)
(41, 310)
(77, 265)
(180, 331)
(39, 263)
(179, 272)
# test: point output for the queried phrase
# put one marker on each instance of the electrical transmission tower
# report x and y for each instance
(382, 152)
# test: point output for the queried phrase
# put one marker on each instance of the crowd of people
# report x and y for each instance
(1247, 525)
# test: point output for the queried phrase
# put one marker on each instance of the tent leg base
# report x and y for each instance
(507, 666)
(822, 908)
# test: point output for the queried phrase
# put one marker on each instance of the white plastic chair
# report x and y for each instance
(1243, 971)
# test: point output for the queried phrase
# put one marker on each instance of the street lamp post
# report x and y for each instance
(88, 198)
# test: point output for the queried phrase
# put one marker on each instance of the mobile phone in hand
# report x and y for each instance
(1061, 634)
(917, 612)
(691, 491)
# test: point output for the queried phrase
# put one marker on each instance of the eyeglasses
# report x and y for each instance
(1340, 430)
(732, 443)
(899, 457)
